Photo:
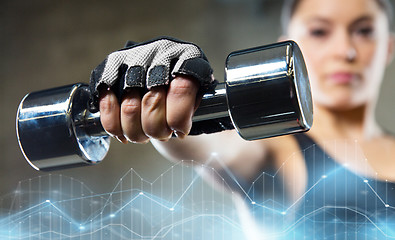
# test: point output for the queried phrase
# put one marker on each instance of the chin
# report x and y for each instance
(341, 98)
(342, 105)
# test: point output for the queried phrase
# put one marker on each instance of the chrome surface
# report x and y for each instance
(266, 94)
(52, 129)
(213, 105)
(268, 91)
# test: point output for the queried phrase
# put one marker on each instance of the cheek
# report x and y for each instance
(314, 56)
(318, 63)
(373, 63)
(368, 54)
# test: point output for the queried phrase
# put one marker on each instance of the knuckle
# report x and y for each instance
(107, 104)
(153, 99)
(183, 87)
(109, 115)
(154, 114)
(131, 107)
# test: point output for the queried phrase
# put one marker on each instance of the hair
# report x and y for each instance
(289, 7)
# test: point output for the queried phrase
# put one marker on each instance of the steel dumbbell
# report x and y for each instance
(266, 93)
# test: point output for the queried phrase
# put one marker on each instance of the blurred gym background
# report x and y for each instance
(46, 43)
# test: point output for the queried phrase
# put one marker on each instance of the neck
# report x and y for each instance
(335, 124)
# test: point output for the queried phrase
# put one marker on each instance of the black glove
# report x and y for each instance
(148, 64)
(155, 63)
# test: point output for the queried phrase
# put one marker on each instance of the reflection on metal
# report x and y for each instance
(268, 91)
(212, 106)
(52, 131)
(266, 94)
(242, 74)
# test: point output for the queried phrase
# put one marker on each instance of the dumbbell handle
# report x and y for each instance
(56, 130)
(266, 94)
(212, 106)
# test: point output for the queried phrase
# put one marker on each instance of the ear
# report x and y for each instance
(391, 48)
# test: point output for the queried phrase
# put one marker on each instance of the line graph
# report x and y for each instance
(179, 204)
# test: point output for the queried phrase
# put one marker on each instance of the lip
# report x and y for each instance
(342, 77)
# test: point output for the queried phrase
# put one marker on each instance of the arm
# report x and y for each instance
(218, 150)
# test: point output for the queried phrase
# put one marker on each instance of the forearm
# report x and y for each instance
(219, 150)
(197, 148)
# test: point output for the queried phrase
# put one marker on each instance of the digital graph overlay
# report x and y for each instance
(179, 204)
(176, 205)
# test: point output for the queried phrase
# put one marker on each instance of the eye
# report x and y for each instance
(318, 32)
(364, 31)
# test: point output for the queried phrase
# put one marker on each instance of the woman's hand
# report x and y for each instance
(150, 90)
(156, 114)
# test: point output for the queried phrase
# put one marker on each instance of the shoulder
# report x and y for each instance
(290, 164)
(282, 153)
(248, 159)
(283, 147)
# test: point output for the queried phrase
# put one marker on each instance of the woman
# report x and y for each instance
(346, 45)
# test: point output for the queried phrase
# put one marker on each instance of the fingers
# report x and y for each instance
(153, 114)
(180, 104)
(110, 115)
(157, 114)
(131, 117)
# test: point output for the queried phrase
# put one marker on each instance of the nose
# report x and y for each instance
(343, 46)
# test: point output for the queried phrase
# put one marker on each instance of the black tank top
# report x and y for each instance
(337, 204)
(342, 202)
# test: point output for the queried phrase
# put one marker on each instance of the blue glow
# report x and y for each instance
(142, 209)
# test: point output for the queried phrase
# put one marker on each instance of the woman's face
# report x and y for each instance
(346, 45)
